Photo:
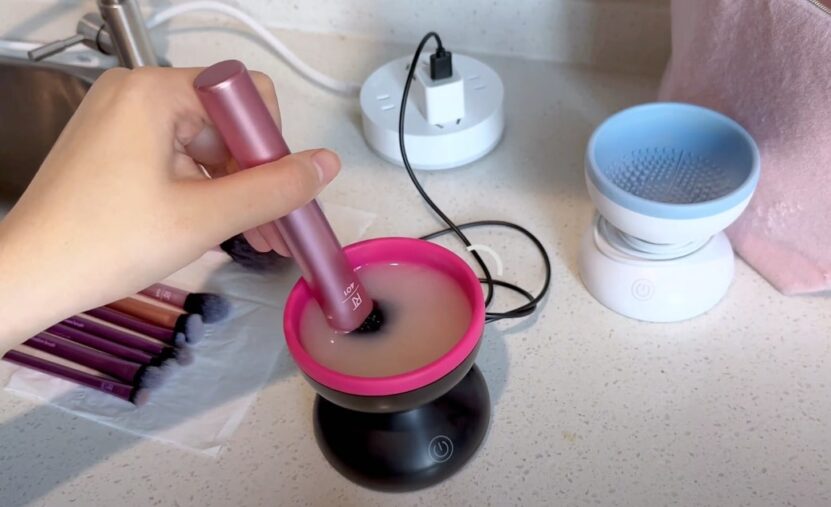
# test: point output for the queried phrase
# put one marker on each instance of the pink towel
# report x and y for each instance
(767, 64)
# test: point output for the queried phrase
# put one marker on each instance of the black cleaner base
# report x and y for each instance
(409, 450)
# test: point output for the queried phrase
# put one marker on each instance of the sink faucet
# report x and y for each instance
(118, 28)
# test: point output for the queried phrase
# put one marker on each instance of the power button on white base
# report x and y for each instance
(643, 289)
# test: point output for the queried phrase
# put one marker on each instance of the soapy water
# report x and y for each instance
(425, 311)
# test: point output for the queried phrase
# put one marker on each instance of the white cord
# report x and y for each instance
(310, 73)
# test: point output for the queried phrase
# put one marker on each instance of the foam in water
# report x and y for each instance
(426, 313)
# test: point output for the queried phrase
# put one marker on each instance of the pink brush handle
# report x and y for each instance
(242, 118)
(167, 294)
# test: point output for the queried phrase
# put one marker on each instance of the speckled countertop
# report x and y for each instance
(731, 408)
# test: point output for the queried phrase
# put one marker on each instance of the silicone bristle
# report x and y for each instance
(671, 175)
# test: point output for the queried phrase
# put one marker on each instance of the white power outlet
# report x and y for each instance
(434, 146)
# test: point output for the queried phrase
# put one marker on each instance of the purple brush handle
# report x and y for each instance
(123, 391)
(102, 344)
(166, 294)
(232, 101)
(133, 324)
(116, 335)
(123, 370)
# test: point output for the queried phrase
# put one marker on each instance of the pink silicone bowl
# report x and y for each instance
(332, 384)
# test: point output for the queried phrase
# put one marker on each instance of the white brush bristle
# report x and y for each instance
(154, 377)
(184, 356)
(141, 397)
(194, 328)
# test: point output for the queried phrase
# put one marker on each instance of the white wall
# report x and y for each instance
(612, 33)
(628, 35)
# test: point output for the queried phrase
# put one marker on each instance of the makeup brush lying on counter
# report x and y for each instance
(128, 339)
(192, 333)
(105, 345)
(128, 343)
(141, 375)
(244, 254)
(131, 393)
(189, 324)
(212, 307)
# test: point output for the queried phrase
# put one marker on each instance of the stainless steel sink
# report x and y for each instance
(36, 101)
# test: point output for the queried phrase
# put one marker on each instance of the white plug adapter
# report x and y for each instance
(453, 141)
(440, 101)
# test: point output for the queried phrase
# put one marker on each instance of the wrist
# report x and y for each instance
(26, 306)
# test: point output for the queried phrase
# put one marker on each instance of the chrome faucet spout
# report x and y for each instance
(129, 34)
(119, 29)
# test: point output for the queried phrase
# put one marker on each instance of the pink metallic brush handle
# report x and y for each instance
(171, 295)
(239, 113)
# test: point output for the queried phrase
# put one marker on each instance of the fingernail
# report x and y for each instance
(327, 164)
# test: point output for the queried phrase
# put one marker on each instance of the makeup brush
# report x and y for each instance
(212, 307)
(164, 334)
(133, 394)
(104, 345)
(236, 108)
(119, 335)
(242, 253)
(188, 324)
(140, 375)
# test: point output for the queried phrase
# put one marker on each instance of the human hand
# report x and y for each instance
(121, 202)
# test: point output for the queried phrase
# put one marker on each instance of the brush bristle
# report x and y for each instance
(166, 354)
(183, 356)
(244, 255)
(154, 377)
(181, 324)
(194, 328)
(212, 307)
(374, 321)
(140, 397)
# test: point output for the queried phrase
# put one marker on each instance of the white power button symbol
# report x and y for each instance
(440, 448)
(643, 290)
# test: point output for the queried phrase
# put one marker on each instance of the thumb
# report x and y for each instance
(255, 196)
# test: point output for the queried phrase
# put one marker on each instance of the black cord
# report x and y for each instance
(533, 301)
